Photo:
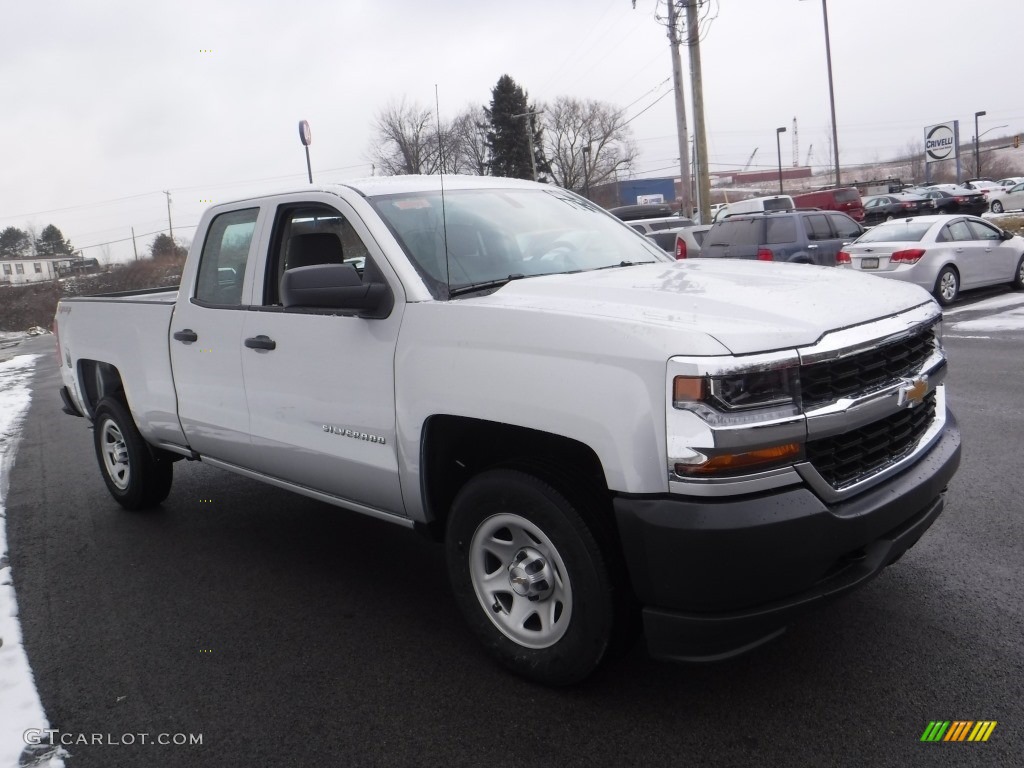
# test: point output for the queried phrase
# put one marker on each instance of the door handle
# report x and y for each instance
(958, 250)
(187, 336)
(261, 342)
(812, 247)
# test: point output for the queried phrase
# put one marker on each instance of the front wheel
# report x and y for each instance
(133, 475)
(947, 286)
(997, 207)
(530, 577)
(1018, 278)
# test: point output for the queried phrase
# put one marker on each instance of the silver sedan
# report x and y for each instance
(1008, 200)
(942, 254)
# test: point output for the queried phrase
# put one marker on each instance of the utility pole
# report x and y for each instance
(134, 248)
(677, 84)
(831, 90)
(170, 226)
(529, 138)
(700, 144)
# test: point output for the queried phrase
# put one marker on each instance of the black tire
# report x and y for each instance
(947, 286)
(531, 578)
(997, 207)
(134, 476)
(1018, 277)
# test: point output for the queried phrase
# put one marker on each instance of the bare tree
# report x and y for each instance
(912, 153)
(469, 137)
(409, 140)
(570, 126)
(406, 140)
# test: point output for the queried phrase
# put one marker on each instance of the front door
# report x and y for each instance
(320, 384)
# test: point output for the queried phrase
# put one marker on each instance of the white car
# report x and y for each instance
(1010, 181)
(942, 254)
(1010, 200)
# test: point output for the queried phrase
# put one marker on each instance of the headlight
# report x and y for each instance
(739, 397)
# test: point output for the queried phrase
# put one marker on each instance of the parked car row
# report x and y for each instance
(943, 254)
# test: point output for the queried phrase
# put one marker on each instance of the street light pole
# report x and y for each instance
(778, 147)
(977, 154)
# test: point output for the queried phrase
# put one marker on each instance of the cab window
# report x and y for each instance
(225, 254)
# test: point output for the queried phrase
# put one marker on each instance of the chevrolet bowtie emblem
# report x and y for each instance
(912, 392)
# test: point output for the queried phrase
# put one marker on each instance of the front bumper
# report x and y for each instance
(718, 578)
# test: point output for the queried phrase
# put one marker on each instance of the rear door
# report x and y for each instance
(996, 259)
(320, 383)
(822, 243)
(206, 337)
(733, 238)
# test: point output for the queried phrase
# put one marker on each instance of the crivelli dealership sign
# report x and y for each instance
(941, 142)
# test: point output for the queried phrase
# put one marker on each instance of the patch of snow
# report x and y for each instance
(20, 708)
(996, 302)
(1011, 320)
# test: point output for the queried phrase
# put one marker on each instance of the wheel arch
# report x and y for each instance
(454, 449)
(98, 380)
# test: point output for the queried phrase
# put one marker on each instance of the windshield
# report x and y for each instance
(896, 232)
(480, 236)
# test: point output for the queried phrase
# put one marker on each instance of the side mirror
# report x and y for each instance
(334, 286)
(1006, 235)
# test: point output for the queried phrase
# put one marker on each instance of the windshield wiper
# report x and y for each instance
(624, 264)
(485, 285)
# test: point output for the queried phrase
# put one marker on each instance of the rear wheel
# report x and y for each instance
(530, 577)
(1018, 278)
(134, 476)
(947, 286)
(997, 207)
(889, 217)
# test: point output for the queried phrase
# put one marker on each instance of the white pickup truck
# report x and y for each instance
(604, 438)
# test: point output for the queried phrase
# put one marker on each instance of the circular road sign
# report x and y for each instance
(305, 135)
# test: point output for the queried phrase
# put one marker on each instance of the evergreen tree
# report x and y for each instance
(163, 247)
(15, 244)
(52, 244)
(508, 142)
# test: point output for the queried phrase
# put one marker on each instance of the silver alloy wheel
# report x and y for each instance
(1020, 272)
(520, 580)
(947, 286)
(997, 207)
(115, 455)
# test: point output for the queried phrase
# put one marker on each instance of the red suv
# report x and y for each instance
(845, 199)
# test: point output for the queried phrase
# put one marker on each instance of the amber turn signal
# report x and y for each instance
(733, 462)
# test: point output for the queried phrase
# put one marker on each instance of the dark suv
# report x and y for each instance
(801, 236)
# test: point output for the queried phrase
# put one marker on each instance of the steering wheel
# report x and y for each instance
(560, 251)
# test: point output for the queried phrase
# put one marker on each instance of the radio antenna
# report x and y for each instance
(444, 218)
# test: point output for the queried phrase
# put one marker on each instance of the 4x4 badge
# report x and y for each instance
(912, 392)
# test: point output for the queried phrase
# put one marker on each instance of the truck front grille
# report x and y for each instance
(845, 459)
(866, 371)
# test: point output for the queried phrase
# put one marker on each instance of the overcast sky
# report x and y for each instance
(106, 103)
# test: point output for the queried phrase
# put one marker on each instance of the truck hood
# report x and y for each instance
(747, 307)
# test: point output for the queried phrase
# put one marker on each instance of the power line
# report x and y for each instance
(126, 239)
